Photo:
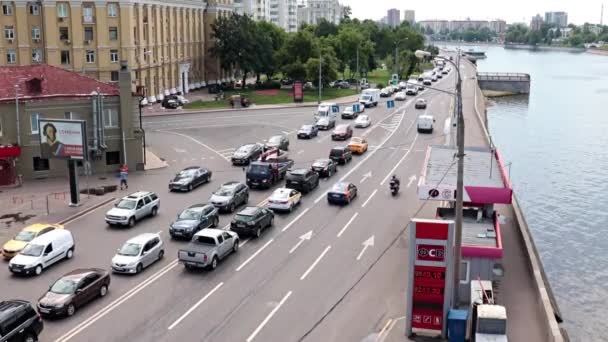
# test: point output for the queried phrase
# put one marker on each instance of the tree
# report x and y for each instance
(329, 71)
(558, 33)
(268, 40)
(297, 47)
(295, 71)
(575, 41)
(517, 33)
(346, 12)
(325, 28)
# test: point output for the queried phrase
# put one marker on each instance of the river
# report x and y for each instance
(557, 141)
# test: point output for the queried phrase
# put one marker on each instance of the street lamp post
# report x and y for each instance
(320, 69)
(17, 114)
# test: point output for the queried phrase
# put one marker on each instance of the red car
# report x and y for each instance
(342, 132)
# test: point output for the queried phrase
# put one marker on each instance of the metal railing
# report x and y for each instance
(503, 76)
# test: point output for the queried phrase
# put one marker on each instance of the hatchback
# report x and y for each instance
(138, 253)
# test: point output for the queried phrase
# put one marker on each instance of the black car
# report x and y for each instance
(19, 321)
(303, 180)
(342, 193)
(189, 178)
(246, 153)
(278, 141)
(229, 196)
(251, 221)
(420, 104)
(170, 101)
(191, 220)
(340, 154)
(308, 131)
(324, 167)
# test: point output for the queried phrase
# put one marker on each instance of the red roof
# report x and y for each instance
(46, 81)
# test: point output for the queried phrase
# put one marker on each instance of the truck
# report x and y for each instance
(325, 110)
(369, 97)
(269, 169)
(490, 323)
(207, 248)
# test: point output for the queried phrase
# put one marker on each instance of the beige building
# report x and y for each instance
(164, 42)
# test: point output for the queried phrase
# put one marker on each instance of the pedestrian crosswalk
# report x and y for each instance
(226, 153)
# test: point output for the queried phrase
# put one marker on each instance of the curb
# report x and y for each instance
(86, 211)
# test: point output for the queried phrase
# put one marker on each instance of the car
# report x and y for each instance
(74, 290)
(340, 154)
(284, 199)
(358, 145)
(251, 221)
(229, 196)
(445, 71)
(342, 193)
(425, 123)
(133, 208)
(402, 85)
(207, 248)
(349, 113)
(411, 90)
(344, 85)
(182, 100)
(342, 132)
(420, 104)
(278, 141)
(193, 219)
(400, 96)
(420, 85)
(303, 180)
(138, 253)
(189, 178)
(434, 78)
(19, 321)
(42, 252)
(326, 123)
(386, 92)
(308, 131)
(246, 154)
(363, 121)
(27, 234)
(325, 167)
(428, 81)
(439, 74)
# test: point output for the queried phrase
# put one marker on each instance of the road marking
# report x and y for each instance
(365, 177)
(300, 151)
(369, 198)
(198, 142)
(179, 150)
(159, 232)
(400, 161)
(411, 180)
(294, 220)
(347, 224)
(367, 243)
(265, 321)
(74, 219)
(315, 263)
(302, 238)
(195, 306)
(321, 197)
(380, 337)
(254, 255)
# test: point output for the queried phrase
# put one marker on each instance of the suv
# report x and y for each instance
(193, 219)
(230, 195)
(19, 321)
(251, 220)
(132, 208)
(340, 154)
(303, 180)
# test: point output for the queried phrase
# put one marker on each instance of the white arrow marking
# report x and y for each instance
(303, 238)
(411, 180)
(366, 176)
(179, 150)
(300, 151)
(366, 243)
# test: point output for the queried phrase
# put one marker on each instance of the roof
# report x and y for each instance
(491, 311)
(230, 184)
(249, 211)
(298, 172)
(46, 81)
(142, 238)
(39, 226)
(80, 273)
(211, 232)
(48, 237)
(138, 194)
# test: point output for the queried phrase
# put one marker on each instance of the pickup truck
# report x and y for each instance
(269, 170)
(207, 248)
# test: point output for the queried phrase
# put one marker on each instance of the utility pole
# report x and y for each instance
(320, 69)
(459, 188)
(358, 73)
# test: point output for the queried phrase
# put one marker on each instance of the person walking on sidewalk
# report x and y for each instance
(124, 173)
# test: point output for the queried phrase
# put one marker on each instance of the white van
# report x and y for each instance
(42, 252)
(325, 110)
(425, 123)
(369, 97)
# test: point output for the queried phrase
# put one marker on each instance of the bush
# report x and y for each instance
(268, 85)
(379, 85)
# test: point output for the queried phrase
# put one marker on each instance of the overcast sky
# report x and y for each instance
(579, 11)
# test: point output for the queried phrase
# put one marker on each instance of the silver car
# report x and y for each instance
(132, 208)
(138, 253)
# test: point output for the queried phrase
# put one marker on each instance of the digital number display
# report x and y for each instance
(432, 275)
(428, 290)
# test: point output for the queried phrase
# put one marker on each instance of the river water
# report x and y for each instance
(557, 141)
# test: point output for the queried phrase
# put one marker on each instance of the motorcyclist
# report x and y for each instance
(394, 181)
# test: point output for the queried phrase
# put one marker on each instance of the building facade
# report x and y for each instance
(497, 26)
(315, 10)
(212, 71)
(560, 19)
(409, 16)
(393, 17)
(283, 13)
(435, 25)
(536, 22)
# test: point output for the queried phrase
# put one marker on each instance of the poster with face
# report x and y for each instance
(63, 139)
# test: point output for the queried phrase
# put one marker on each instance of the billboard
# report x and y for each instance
(298, 92)
(64, 139)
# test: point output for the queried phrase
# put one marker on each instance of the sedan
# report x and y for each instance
(342, 193)
(251, 221)
(138, 253)
(308, 131)
(349, 113)
(342, 132)
(434, 78)
(412, 90)
(357, 145)
(278, 141)
(74, 290)
(326, 123)
(246, 154)
(189, 178)
(363, 121)
(325, 167)
(400, 96)
(420, 104)
(284, 199)
(193, 219)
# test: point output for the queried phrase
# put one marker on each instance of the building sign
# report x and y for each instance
(429, 285)
(65, 139)
(298, 92)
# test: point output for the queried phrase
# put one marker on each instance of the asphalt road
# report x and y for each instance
(276, 288)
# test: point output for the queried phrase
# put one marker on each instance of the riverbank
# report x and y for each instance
(598, 52)
(543, 48)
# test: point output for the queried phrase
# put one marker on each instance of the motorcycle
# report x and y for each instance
(394, 188)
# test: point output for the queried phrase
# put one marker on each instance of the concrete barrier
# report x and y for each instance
(500, 84)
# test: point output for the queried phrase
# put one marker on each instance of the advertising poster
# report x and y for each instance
(63, 139)
(298, 92)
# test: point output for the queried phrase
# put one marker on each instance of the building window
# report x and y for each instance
(11, 56)
(65, 57)
(41, 164)
(114, 76)
(9, 32)
(62, 10)
(34, 117)
(110, 118)
(465, 272)
(88, 33)
(7, 9)
(87, 15)
(64, 33)
(113, 33)
(35, 32)
(112, 10)
(113, 158)
(90, 56)
(35, 9)
(114, 56)
(36, 56)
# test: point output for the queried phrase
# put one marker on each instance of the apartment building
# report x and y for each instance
(409, 16)
(498, 26)
(559, 19)
(312, 12)
(393, 17)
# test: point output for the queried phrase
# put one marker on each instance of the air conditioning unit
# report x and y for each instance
(36, 40)
(87, 42)
(60, 19)
(10, 40)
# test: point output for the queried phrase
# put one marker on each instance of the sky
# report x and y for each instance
(579, 11)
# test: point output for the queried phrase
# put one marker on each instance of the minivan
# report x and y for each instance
(42, 252)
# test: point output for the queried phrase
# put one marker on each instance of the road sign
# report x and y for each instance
(390, 104)
(356, 107)
(335, 109)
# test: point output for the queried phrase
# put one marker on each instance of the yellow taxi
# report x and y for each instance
(357, 145)
(284, 199)
(14, 246)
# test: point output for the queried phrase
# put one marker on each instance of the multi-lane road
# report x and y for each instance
(322, 273)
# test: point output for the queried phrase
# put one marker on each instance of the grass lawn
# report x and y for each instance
(378, 76)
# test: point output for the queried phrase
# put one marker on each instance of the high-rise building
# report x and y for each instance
(314, 10)
(394, 17)
(499, 26)
(409, 16)
(559, 19)
(282, 13)
(536, 22)
(435, 25)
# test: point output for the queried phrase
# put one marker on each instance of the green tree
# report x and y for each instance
(295, 71)
(297, 47)
(269, 39)
(576, 41)
(324, 28)
(329, 71)
(346, 12)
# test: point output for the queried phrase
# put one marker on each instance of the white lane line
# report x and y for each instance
(198, 142)
(400, 161)
(242, 243)
(300, 151)
(181, 318)
(109, 308)
(265, 321)
(369, 198)
(321, 197)
(254, 254)
(159, 232)
(315, 263)
(294, 220)
(347, 224)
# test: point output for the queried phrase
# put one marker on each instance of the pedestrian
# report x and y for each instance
(124, 173)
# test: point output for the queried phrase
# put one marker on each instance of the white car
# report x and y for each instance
(284, 199)
(411, 90)
(400, 96)
(132, 208)
(363, 121)
(386, 92)
(43, 251)
(402, 85)
(138, 253)
(182, 100)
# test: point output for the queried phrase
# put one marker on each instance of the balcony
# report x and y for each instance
(88, 19)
